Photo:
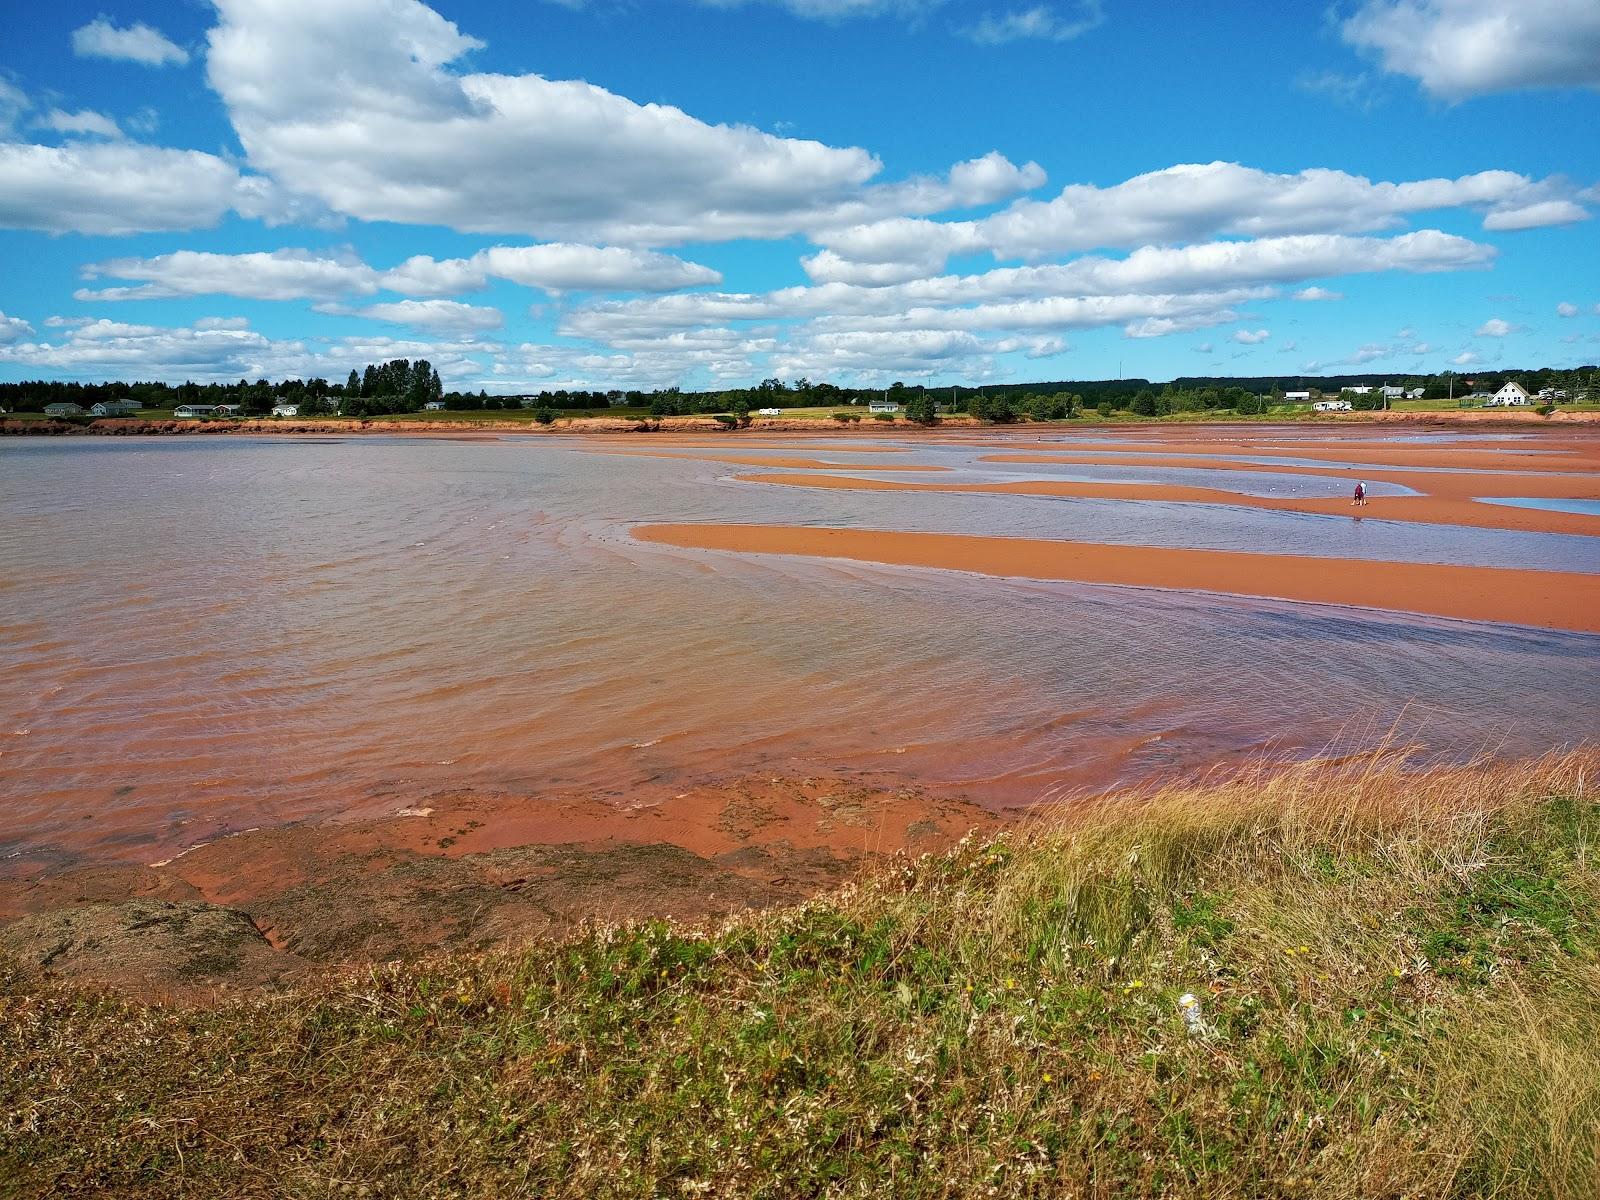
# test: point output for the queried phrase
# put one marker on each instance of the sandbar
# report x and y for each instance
(1545, 599)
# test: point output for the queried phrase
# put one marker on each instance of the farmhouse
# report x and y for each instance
(63, 410)
(883, 406)
(194, 410)
(111, 408)
(1511, 395)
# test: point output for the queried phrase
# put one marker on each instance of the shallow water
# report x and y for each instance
(203, 635)
(1587, 508)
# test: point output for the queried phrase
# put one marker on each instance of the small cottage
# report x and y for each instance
(1510, 395)
(65, 409)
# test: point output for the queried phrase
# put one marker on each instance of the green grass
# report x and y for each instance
(1397, 977)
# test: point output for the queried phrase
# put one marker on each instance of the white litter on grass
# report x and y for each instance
(1193, 1019)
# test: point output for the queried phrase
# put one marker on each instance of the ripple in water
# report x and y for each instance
(199, 637)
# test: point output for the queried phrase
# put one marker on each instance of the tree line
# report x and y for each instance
(404, 386)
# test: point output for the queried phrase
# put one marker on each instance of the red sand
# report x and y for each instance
(798, 826)
(1549, 599)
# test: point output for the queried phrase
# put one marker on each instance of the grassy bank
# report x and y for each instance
(1397, 984)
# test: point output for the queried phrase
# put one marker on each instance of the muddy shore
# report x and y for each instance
(458, 871)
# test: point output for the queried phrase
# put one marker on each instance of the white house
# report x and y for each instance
(194, 410)
(883, 406)
(66, 409)
(1297, 397)
(1390, 392)
(769, 412)
(1510, 395)
(111, 408)
(1332, 406)
(286, 410)
(434, 406)
(1414, 394)
(1358, 389)
(229, 410)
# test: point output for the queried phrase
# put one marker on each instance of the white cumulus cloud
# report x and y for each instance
(112, 188)
(1182, 203)
(278, 275)
(1496, 328)
(1566, 309)
(1251, 337)
(1318, 293)
(291, 274)
(1462, 48)
(1538, 215)
(81, 123)
(361, 105)
(13, 329)
(137, 43)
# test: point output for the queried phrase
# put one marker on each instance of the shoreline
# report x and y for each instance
(10, 426)
(465, 871)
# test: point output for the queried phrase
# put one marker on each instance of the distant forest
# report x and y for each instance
(402, 386)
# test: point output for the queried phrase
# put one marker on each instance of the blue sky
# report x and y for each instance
(641, 193)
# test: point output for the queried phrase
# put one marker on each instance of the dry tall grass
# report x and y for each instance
(1392, 991)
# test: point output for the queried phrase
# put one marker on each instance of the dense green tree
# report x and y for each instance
(922, 409)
